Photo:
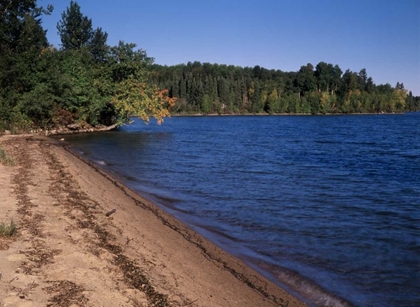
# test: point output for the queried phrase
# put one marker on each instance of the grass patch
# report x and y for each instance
(6, 160)
(7, 230)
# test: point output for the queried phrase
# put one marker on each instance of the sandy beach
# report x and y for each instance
(68, 252)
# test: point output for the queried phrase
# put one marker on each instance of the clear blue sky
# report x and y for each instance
(382, 36)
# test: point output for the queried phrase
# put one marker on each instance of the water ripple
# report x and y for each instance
(328, 207)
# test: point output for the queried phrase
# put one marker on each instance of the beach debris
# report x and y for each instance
(67, 293)
(111, 212)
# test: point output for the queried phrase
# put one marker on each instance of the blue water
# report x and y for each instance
(326, 206)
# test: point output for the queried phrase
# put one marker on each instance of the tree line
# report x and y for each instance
(213, 88)
(84, 83)
(88, 83)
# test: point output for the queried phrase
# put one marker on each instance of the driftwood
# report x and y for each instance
(75, 128)
(111, 212)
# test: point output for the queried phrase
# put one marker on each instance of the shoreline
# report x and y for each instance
(58, 131)
(298, 285)
(179, 267)
(281, 114)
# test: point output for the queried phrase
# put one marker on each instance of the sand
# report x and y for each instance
(69, 253)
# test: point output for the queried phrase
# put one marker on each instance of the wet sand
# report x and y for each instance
(68, 252)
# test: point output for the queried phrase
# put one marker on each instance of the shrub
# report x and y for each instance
(7, 230)
(5, 160)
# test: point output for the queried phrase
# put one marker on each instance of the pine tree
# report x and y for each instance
(74, 28)
(98, 46)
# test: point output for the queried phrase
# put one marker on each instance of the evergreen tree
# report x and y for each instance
(22, 43)
(98, 45)
(90, 83)
(74, 28)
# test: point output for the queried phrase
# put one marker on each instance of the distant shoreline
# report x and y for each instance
(65, 130)
(279, 114)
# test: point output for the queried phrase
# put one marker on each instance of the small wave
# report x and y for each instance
(160, 197)
(100, 162)
(218, 232)
(310, 291)
(130, 178)
(167, 200)
(306, 289)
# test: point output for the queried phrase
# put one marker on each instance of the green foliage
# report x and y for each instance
(234, 89)
(76, 33)
(8, 230)
(135, 98)
(74, 28)
(84, 82)
(127, 78)
(5, 159)
(91, 83)
(305, 79)
(273, 102)
(98, 46)
(20, 23)
(206, 105)
(22, 44)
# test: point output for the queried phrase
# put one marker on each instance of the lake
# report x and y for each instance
(328, 207)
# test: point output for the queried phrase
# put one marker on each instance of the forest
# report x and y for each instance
(206, 88)
(84, 83)
(87, 83)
